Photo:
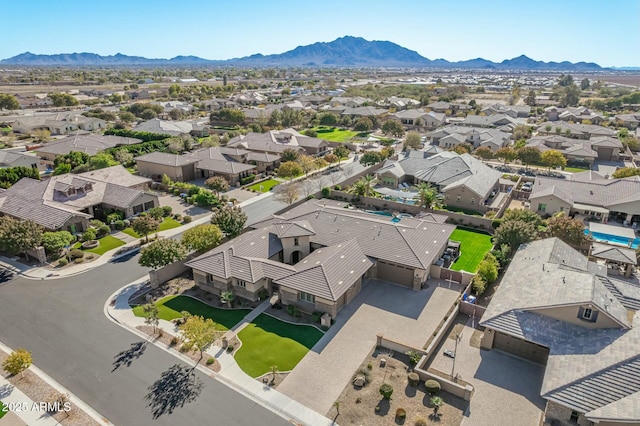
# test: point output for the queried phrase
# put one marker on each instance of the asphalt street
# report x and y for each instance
(62, 323)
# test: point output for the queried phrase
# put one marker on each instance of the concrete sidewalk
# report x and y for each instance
(23, 407)
(117, 309)
(42, 272)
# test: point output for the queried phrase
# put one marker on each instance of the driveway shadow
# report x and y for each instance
(6, 275)
(5, 390)
(176, 387)
(126, 357)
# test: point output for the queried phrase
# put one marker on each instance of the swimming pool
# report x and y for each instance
(614, 239)
(394, 219)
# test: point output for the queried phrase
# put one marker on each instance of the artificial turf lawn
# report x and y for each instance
(2, 412)
(335, 135)
(268, 341)
(167, 223)
(106, 243)
(266, 185)
(473, 247)
(170, 307)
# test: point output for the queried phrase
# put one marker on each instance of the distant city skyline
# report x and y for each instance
(544, 30)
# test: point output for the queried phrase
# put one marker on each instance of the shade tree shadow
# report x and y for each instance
(176, 387)
(126, 357)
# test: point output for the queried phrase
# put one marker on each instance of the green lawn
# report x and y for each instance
(266, 185)
(167, 223)
(106, 243)
(335, 134)
(575, 169)
(472, 250)
(2, 412)
(170, 307)
(268, 341)
(462, 210)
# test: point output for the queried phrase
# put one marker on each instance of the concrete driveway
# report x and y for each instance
(398, 313)
(507, 389)
(180, 207)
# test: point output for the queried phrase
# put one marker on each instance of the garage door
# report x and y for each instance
(395, 273)
(521, 348)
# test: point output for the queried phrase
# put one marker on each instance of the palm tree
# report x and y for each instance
(358, 188)
(437, 402)
(368, 182)
(428, 196)
(227, 297)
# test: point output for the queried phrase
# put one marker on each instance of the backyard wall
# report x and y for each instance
(164, 274)
(396, 346)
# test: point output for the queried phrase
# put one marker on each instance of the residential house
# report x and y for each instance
(501, 121)
(179, 168)
(351, 102)
(574, 130)
(399, 104)
(465, 181)
(580, 115)
(449, 108)
(60, 123)
(630, 121)
(513, 111)
(417, 118)
(69, 201)
(580, 151)
(557, 308)
(88, 143)
(172, 128)
(588, 195)
(316, 255)
(276, 141)
(10, 159)
(171, 105)
(450, 136)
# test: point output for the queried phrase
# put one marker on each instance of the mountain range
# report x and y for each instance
(345, 51)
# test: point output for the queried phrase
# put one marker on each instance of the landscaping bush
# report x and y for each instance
(420, 421)
(95, 223)
(495, 223)
(103, 231)
(413, 378)
(177, 216)
(247, 180)
(90, 256)
(337, 187)
(326, 192)
(433, 386)
(193, 190)
(156, 213)
(115, 216)
(143, 214)
(187, 219)
(401, 413)
(174, 341)
(230, 348)
(78, 260)
(386, 390)
(315, 317)
(176, 192)
(89, 235)
(210, 361)
(291, 309)
(127, 223)
(119, 225)
(76, 254)
(167, 210)
(63, 262)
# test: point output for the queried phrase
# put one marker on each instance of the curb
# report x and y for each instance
(91, 412)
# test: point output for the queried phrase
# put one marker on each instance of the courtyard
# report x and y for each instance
(474, 246)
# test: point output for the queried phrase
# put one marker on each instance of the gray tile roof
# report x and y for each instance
(90, 144)
(224, 166)
(117, 175)
(166, 159)
(163, 127)
(264, 157)
(623, 409)
(617, 254)
(275, 141)
(17, 159)
(293, 229)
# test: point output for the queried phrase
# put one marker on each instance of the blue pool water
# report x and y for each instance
(393, 218)
(614, 239)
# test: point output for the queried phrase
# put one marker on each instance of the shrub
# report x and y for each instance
(369, 366)
(414, 357)
(230, 348)
(127, 223)
(495, 223)
(63, 262)
(358, 400)
(210, 361)
(176, 191)
(177, 216)
(326, 192)
(386, 390)
(433, 386)
(401, 413)
(377, 409)
(103, 231)
(78, 260)
(413, 378)
(119, 225)
(167, 210)
(187, 219)
(156, 213)
(337, 187)
(247, 180)
(186, 347)
(291, 309)
(315, 317)
(420, 421)
(76, 253)
(90, 256)
(95, 223)
(174, 341)
(115, 216)
(89, 235)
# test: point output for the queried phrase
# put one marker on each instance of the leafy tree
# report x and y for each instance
(289, 170)
(365, 185)
(18, 361)
(488, 268)
(341, 152)
(524, 215)
(515, 232)
(205, 198)
(412, 141)
(127, 117)
(17, 236)
(210, 142)
(289, 155)
(530, 99)
(102, 160)
(202, 238)
(387, 152)
(217, 184)
(287, 193)
(626, 172)
(200, 333)
(428, 196)
(363, 124)
(11, 175)
(162, 253)
(584, 84)
(506, 154)
(311, 133)
(42, 135)
(370, 158)
(529, 155)
(328, 119)
(63, 99)
(123, 156)
(569, 230)
(331, 158)
(319, 163)
(393, 127)
(565, 80)
(151, 315)
(145, 225)
(8, 101)
(484, 152)
(228, 114)
(230, 220)
(53, 242)
(307, 163)
(553, 158)
(478, 284)
(521, 131)
(386, 390)
(463, 148)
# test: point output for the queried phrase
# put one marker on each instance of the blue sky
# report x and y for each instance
(605, 32)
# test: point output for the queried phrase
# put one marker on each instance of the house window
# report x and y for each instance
(561, 209)
(295, 241)
(587, 313)
(574, 416)
(473, 201)
(307, 297)
(241, 283)
(209, 278)
(542, 207)
(458, 198)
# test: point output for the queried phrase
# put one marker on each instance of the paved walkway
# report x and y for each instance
(22, 407)
(230, 372)
(398, 313)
